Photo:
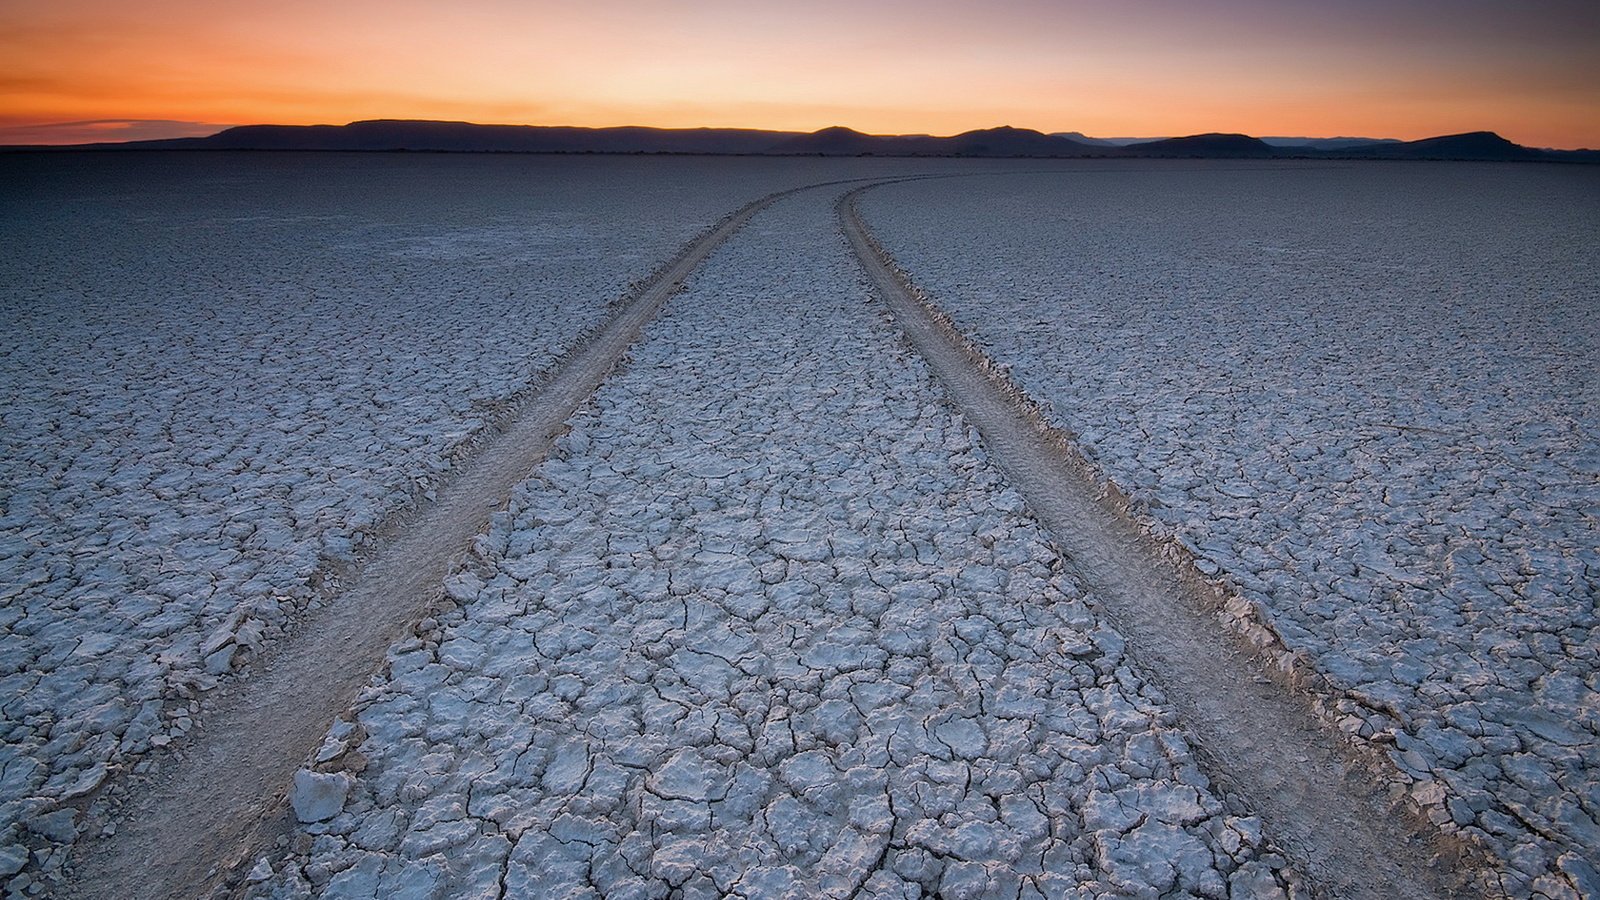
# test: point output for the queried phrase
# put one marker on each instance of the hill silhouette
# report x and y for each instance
(1207, 146)
(1471, 145)
(841, 141)
(1015, 142)
(1001, 142)
(406, 134)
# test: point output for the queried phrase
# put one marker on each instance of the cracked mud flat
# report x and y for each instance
(1317, 796)
(766, 624)
(224, 797)
(1365, 397)
(221, 375)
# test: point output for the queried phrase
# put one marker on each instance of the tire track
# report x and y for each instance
(769, 556)
(1320, 797)
(211, 806)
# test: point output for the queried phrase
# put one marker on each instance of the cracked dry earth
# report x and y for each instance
(1379, 427)
(766, 624)
(218, 378)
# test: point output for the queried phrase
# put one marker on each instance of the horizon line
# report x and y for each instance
(211, 129)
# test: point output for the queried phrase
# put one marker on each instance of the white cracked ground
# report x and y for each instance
(766, 624)
(217, 374)
(1368, 396)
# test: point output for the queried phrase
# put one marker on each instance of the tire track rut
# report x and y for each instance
(218, 800)
(1321, 798)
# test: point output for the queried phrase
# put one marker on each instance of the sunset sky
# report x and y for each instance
(79, 70)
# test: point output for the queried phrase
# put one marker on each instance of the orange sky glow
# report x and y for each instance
(84, 70)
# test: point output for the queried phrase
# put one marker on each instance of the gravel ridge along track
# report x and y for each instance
(205, 810)
(1259, 737)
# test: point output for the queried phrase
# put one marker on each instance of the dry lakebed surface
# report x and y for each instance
(433, 526)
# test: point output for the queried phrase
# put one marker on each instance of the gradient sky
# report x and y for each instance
(76, 70)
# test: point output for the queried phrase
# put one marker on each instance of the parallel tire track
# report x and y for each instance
(1319, 797)
(222, 799)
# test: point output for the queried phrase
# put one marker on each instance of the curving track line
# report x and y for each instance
(1259, 739)
(222, 799)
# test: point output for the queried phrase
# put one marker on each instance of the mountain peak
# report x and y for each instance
(1005, 131)
(1215, 143)
(1480, 145)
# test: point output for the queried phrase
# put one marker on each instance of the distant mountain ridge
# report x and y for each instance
(1333, 143)
(1082, 138)
(1002, 142)
(1472, 145)
(1314, 143)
